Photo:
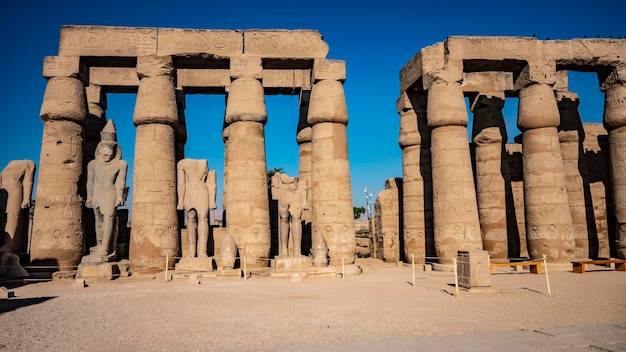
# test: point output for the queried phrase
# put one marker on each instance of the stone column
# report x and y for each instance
(154, 232)
(303, 137)
(331, 198)
(548, 219)
(571, 137)
(181, 129)
(416, 178)
(387, 219)
(488, 135)
(58, 233)
(246, 198)
(455, 211)
(615, 121)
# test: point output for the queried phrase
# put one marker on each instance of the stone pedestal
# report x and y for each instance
(473, 269)
(288, 264)
(195, 264)
(103, 271)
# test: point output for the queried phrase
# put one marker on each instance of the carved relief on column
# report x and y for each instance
(58, 232)
(414, 140)
(331, 198)
(246, 199)
(154, 233)
(548, 218)
(455, 211)
(615, 121)
(488, 135)
(571, 137)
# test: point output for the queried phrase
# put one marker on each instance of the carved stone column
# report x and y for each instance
(58, 232)
(154, 233)
(387, 218)
(571, 137)
(181, 129)
(331, 198)
(548, 219)
(615, 120)
(489, 133)
(246, 199)
(417, 211)
(303, 138)
(454, 197)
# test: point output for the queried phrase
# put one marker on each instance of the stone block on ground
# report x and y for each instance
(229, 274)
(103, 271)
(288, 264)
(64, 275)
(6, 293)
(195, 264)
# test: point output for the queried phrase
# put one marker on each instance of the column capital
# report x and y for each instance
(96, 95)
(156, 99)
(452, 72)
(617, 75)
(537, 107)
(64, 99)
(615, 106)
(64, 66)
(328, 103)
(491, 101)
(246, 101)
(154, 66)
(446, 105)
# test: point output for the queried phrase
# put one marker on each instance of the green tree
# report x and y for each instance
(358, 211)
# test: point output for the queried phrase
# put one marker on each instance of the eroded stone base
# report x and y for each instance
(195, 264)
(288, 264)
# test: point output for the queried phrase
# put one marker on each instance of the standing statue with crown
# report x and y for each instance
(106, 182)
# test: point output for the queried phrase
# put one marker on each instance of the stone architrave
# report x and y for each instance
(58, 233)
(387, 217)
(455, 213)
(16, 188)
(548, 217)
(331, 198)
(414, 140)
(489, 134)
(615, 120)
(154, 232)
(245, 186)
(571, 138)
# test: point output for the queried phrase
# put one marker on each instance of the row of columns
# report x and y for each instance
(58, 230)
(556, 198)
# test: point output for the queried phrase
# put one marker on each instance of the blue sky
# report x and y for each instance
(375, 38)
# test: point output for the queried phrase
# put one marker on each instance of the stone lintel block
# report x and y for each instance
(246, 66)
(451, 72)
(202, 78)
(428, 59)
(63, 66)
(107, 41)
(154, 66)
(537, 72)
(492, 50)
(114, 76)
(287, 78)
(615, 76)
(562, 80)
(329, 69)
(292, 44)
(494, 100)
(565, 94)
(217, 43)
(96, 95)
(590, 52)
(403, 103)
(487, 82)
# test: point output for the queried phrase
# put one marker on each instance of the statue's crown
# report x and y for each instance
(109, 133)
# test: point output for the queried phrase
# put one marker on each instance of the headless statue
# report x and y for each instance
(106, 183)
(291, 194)
(16, 187)
(197, 188)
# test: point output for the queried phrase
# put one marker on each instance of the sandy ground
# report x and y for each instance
(270, 314)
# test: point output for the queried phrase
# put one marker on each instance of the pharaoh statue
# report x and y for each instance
(291, 194)
(16, 186)
(196, 194)
(106, 185)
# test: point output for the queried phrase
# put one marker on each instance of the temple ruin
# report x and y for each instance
(162, 65)
(558, 191)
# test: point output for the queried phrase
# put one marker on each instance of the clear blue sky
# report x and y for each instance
(375, 38)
